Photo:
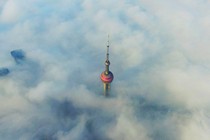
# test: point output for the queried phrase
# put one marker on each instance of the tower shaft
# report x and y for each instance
(107, 87)
(107, 69)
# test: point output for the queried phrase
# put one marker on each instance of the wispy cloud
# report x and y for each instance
(159, 55)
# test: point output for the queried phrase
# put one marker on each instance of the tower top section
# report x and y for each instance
(107, 76)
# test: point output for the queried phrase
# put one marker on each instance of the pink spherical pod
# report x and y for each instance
(107, 78)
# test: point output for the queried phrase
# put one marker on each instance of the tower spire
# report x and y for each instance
(107, 51)
(107, 63)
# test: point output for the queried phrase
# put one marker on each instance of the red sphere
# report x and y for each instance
(107, 78)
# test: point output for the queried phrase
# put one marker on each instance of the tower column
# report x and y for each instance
(106, 89)
(107, 63)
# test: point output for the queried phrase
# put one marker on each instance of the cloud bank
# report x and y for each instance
(159, 55)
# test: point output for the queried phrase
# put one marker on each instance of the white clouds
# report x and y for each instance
(11, 12)
(132, 129)
(159, 56)
(189, 86)
(193, 126)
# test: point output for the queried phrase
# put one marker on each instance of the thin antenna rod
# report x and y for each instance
(107, 53)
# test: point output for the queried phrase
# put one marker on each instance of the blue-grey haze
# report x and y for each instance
(159, 53)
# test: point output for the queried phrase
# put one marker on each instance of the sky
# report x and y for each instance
(159, 54)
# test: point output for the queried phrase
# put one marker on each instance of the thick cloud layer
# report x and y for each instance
(159, 55)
